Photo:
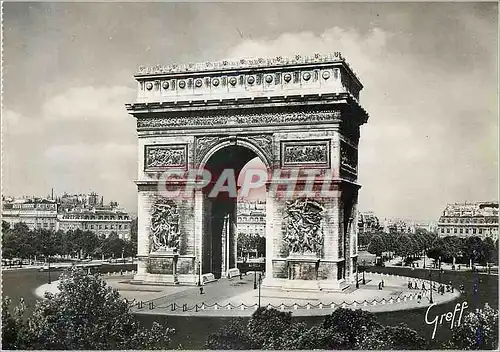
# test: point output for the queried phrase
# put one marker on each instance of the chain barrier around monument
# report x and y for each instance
(400, 298)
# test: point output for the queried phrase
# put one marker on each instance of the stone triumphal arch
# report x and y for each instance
(300, 116)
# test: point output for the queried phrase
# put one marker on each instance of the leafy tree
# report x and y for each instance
(13, 326)
(261, 245)
(364, 238)
(233, 336)
(490, 252)
(478, 331)
(319, 338)
(44, 242)
(88, 314)
(5, 226)
(437, 249)
(391, 338)
(352, 325)
(474, 249)
(19, 241)
(343, 329)
(405, 246)
(377, 245)
(390, 241)
(267, 327)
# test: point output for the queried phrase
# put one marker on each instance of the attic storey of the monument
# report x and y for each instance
(199, 124)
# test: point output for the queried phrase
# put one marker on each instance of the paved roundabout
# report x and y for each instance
(237, 297)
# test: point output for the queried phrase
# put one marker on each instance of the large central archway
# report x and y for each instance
(219, 246)
(301, 116)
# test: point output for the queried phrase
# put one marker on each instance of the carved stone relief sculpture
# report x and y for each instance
(244, 119)
(165, 156)
(165, 233)
(203, 145)
(306, 152)
(304, 232)
(348, 156)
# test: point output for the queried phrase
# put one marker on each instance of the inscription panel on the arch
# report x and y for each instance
(311, 153)
(158, 157)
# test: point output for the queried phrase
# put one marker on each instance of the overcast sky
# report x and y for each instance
(429, 71)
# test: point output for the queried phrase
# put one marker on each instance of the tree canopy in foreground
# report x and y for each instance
(86, 313)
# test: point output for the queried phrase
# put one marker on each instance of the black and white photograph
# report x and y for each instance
(249, 175)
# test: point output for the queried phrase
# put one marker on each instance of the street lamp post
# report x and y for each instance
(199, 273)
(254, 280)
(364, 269)
(260, 280)
(50, 281)
(357, 279)
(439, 271)
(430, 285)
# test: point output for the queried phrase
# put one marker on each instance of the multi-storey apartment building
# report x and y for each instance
(368, 222)
(68, 212)
(103, 220)
(36, 213)
(470, 219)
(252, 218)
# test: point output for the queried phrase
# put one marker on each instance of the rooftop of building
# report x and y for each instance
(489, 208)
(28, 200)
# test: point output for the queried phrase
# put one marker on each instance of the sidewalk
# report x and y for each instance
(227, 298)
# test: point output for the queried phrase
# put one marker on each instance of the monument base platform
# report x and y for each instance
(305, 285)
(164, 279)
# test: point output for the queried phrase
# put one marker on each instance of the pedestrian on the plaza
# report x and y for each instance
(380, 285)
(423, 287)
(201, 290)
(409, 284)
(419, 297)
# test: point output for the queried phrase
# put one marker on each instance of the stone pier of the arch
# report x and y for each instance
(300, 113)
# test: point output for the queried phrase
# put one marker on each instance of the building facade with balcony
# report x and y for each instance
(252, 218)
(36, 213)
(102, 220)
(68, 212)
(470, 219)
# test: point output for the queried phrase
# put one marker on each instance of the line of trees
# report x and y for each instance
(401, 244)
(463, 250)
(249, 243)
(21, 242)
(347, 329)
(446, 249)
(344, 329)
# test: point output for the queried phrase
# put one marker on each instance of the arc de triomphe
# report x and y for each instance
(301, 116)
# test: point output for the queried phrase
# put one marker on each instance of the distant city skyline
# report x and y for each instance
(430, 90)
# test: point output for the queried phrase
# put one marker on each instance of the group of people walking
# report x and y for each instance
(442, 288)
